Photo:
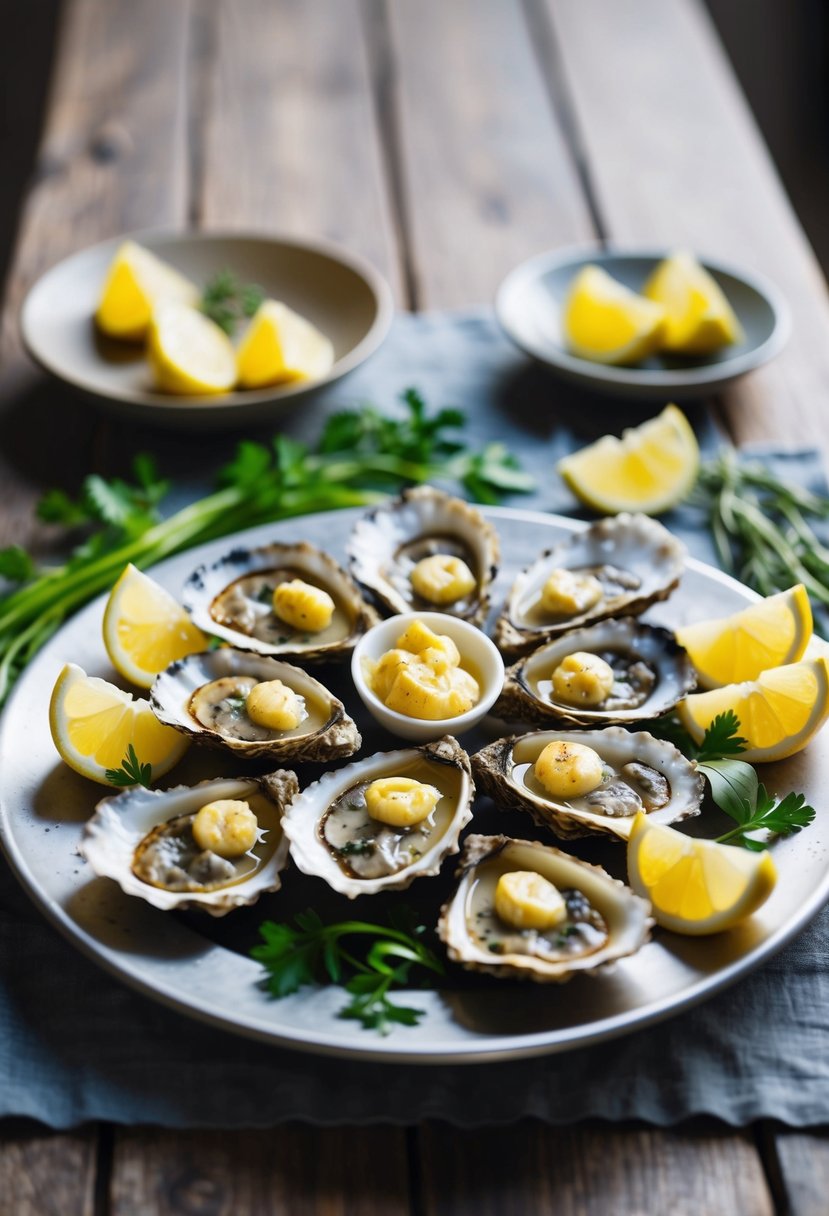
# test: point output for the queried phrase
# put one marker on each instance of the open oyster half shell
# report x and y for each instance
(387, 543)
(232, 598)
(504, 770)
(626, 916)
(635, 559)
(123, 825)
(187, 697)
(404, 854)
(633, 649)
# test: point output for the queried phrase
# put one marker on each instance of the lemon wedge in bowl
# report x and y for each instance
(698, 316)
(651, 468)
(93, 724)
(779, 712)
(280, 345)
(145, 629)
(137, 281)
(189, 353)
(736, 648)
(695, 886)
(607, 322)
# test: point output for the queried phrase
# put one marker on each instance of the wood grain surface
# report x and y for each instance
(445, 142)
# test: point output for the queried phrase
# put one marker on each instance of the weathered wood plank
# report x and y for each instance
(589, 1171)
(803, 1161)
(485, 173)
(675, 158)
(46, 1173)
(285, 1171)
(291, 143)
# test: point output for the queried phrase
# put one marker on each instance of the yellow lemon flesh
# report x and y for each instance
(651, 468)
(188, 353)
(280, 345)
(779, 712)
(607, 322)
(695, 886)
(699, 318)
(736, 648)
(93, 724)
(145, 629)
(136, 282)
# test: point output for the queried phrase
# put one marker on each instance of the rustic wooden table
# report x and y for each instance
(446, 142)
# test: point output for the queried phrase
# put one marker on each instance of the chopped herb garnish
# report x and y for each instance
(357, 848)
(227, 301)
(236, 702)
(131, 772)
(265, 595)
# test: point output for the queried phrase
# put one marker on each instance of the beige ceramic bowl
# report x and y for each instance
(340, 293)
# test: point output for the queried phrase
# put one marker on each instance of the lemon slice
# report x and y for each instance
(735, 648)
(779, 712)
(136, 282)
(695, 886)
(93, 723)
(188, 352)
(145, 629)
(281, 345)
(699, 318)
(651, 468)
(607, 322)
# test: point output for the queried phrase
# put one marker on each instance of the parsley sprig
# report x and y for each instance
(360, 456)
(131, 772)
(227, 300)
(734, 784)
(311, 952)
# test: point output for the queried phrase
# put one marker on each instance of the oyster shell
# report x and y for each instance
(609, 921)
(333, 837)
(652, 672)
(232, 599)
(124, 828)
(388, 542)
(635, 560)
(191, 695)
(644, 774)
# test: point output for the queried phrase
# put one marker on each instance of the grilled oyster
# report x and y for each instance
(288, 600)
(336, 834)
(426, 551)
(617, 567)
(290, 716)
(589, 780)
(616, 671)
(144, 839)
(552, 918)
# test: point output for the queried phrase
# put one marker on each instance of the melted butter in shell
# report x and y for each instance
(614, 583)
(633, 681)
(246, 605)
(399, 571)
(168, 856)
(582, 932)
(365, 848)
(220, 706)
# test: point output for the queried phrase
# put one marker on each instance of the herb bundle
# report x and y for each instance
(361, 455)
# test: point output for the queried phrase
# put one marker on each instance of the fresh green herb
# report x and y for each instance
(227, 301)
(310, 952)
(761, 525)
(265, 595)
(357, 848)
(360, 456)
(236, 702)
(131, 772)
(766, 813)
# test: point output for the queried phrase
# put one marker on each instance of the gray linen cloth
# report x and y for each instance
(76, 1045)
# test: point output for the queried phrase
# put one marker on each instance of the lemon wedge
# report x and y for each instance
(699, 318)
(695, 886)
(779, 712)
(188, 352)
(136, 282)
(281, 345)
(93, 723)
(651, 468)
(739, 647)
(607, 322)
(145, 629)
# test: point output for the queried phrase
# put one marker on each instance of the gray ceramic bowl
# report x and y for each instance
(529, 304)
(340, 293)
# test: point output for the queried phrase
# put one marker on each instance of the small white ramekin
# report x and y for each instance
(473, 645)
